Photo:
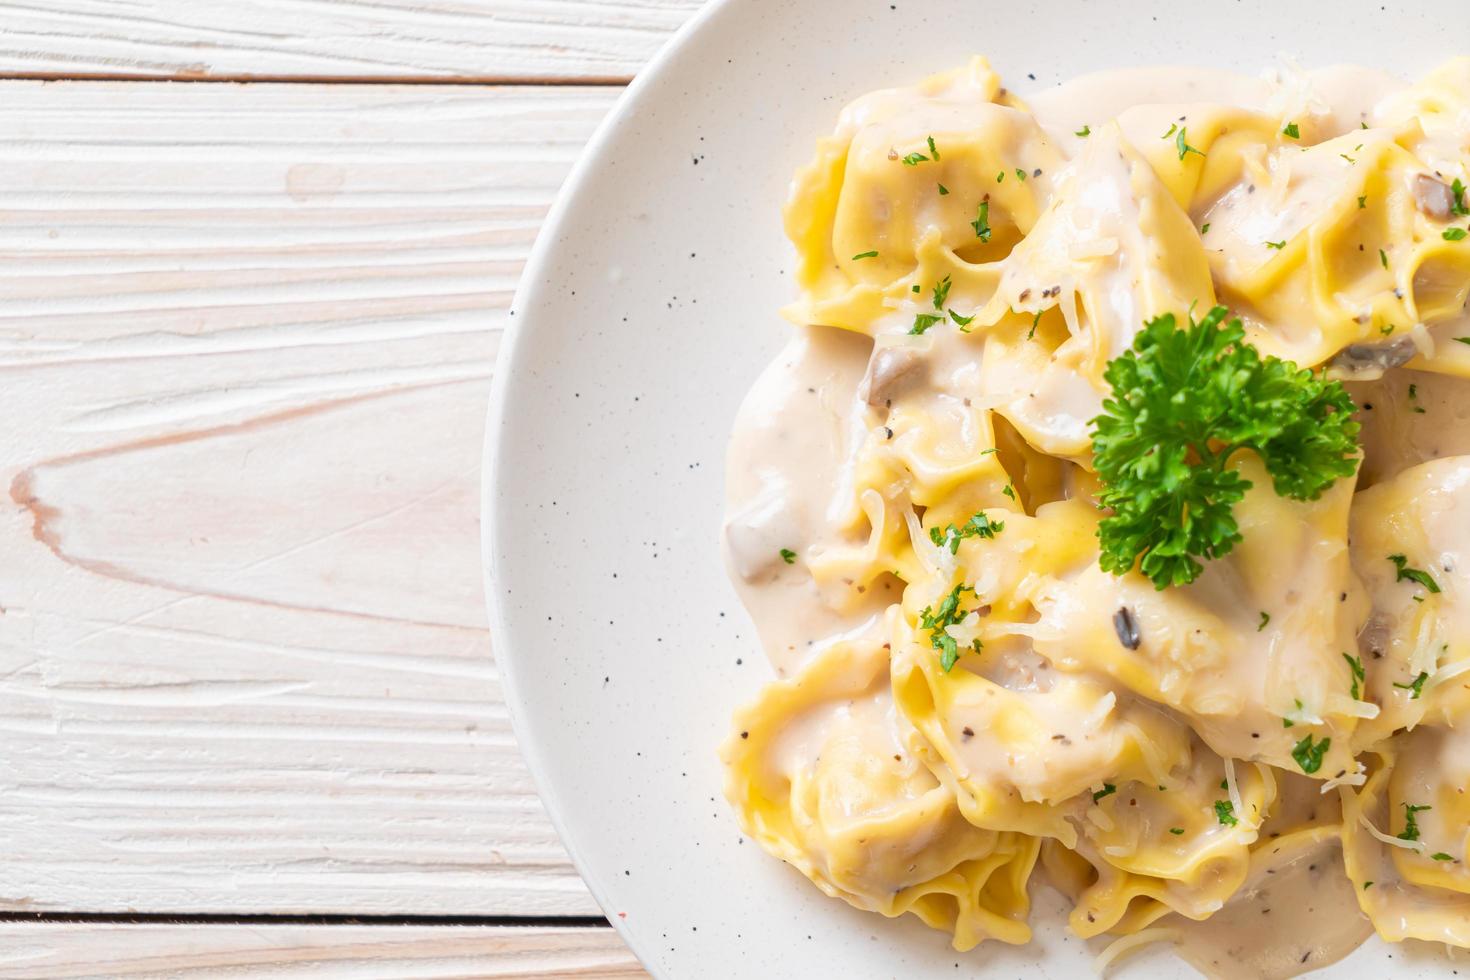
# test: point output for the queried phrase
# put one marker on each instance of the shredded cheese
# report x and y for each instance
(1099, 712)
(1125, 945)
(966, 631)
(1422, 339)
(1357, 778)
(1341, 704)
(1236, 804)
(1448, 674)
(1409, 845)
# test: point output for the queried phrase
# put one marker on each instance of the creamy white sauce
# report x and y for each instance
(804, 422)
(784, 471)
(1296, 912)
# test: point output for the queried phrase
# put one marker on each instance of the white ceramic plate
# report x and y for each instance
(647, 309)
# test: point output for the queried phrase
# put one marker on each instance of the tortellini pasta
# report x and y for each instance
(996, 708)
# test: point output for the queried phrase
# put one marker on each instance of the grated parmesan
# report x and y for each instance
(1233, 788)
(1416, 846)
(1123, 946)
(1099, 712)
(1357, 778)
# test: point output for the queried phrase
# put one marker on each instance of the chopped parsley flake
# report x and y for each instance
(1383, 257)
(1287, 722)
(1000, 177)
(1173, 128)
(943, 191)
(1463, 340)
(788, 556)
(1177, 831)
(981, 224)
(1182, 146)
(1206, 229)
(1348, 158)
(1367, 885)
(1037, 319)
(1363, 202)
(1008, 491)
(1358, 676)
(1309, 756)
(1265, 619)
(979, 526)
(914, 159)
(1415, 687)
(1441, 856)
(1084, 132)
(941, 293)
(864, 255)
(1403, 572)
(1292, 131)
(1021, 175)
(933, 150)
(1108, 790)
(1411, 821)
(963, 321)
(1458, 187)
(1455, 234)
(923, 321)
(1277, 245)
(1225, 813)
(947, 615)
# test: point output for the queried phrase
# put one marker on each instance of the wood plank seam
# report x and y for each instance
(264, 686)
(472, 81)
(346, 919)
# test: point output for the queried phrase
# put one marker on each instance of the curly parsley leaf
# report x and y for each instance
(1225, 813)
(1183, 402)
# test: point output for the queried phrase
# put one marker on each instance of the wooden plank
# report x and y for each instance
(246, 334)
(33, 951)
(496, 40)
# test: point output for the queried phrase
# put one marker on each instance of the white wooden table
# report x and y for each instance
(255, 257)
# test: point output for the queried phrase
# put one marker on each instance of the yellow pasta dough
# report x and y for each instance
(968, 703)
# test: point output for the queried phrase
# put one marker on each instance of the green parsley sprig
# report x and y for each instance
(1183, 403)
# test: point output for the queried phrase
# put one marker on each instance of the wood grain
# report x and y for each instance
(193, 952)
(246, 334)
(485, 40)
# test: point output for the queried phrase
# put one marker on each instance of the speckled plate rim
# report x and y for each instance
(567, 201)
(532, 293)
